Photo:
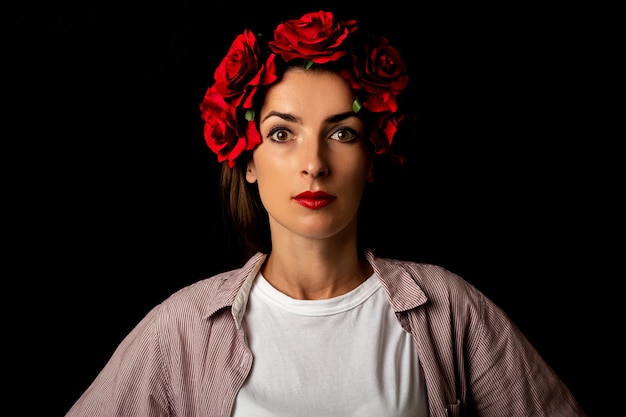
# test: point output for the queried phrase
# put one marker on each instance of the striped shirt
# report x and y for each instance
(188, 355)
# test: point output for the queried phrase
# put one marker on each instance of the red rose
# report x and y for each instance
(379, 75)
(242, 70)
(384, 130)
(222, 132)
(313, 37)
(388, 125)
(376, 72)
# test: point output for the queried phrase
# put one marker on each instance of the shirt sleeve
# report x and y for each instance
(131, 383)
(507, 374)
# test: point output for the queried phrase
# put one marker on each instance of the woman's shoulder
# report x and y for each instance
(440, 290)
(202, 298)
(421, 271)
(433, 279)
(214, 292)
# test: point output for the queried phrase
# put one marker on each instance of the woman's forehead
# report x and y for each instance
(309, 90)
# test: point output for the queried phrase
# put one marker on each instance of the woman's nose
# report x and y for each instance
(314, 161)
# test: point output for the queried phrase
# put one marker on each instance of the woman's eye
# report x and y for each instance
(280, 135)
(344, 135)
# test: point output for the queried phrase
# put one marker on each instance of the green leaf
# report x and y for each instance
(356, 105)
(249, 115)
(308, 64)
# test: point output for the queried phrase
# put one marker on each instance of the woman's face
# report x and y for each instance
(313, 162)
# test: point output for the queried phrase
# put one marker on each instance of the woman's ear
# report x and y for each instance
(251, 171)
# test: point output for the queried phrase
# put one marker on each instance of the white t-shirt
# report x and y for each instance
(343, 356)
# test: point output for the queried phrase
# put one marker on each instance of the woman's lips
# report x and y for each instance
(314, 199)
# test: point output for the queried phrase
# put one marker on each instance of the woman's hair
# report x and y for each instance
(242, 206)
(373, 68)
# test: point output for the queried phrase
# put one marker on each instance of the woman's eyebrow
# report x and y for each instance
(285, 116)
(341, 116)
(291, 118)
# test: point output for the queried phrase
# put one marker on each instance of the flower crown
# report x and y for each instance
(374, 69)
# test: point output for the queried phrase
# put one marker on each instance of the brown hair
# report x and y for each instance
(242, 206)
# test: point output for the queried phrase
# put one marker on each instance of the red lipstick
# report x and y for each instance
(314, 199)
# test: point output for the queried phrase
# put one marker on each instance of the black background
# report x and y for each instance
(116, 203)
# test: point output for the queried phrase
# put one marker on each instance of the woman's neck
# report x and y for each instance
(315, 271)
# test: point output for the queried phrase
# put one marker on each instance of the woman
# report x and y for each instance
(314, 323)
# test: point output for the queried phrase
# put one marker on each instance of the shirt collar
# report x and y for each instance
(402, 289)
